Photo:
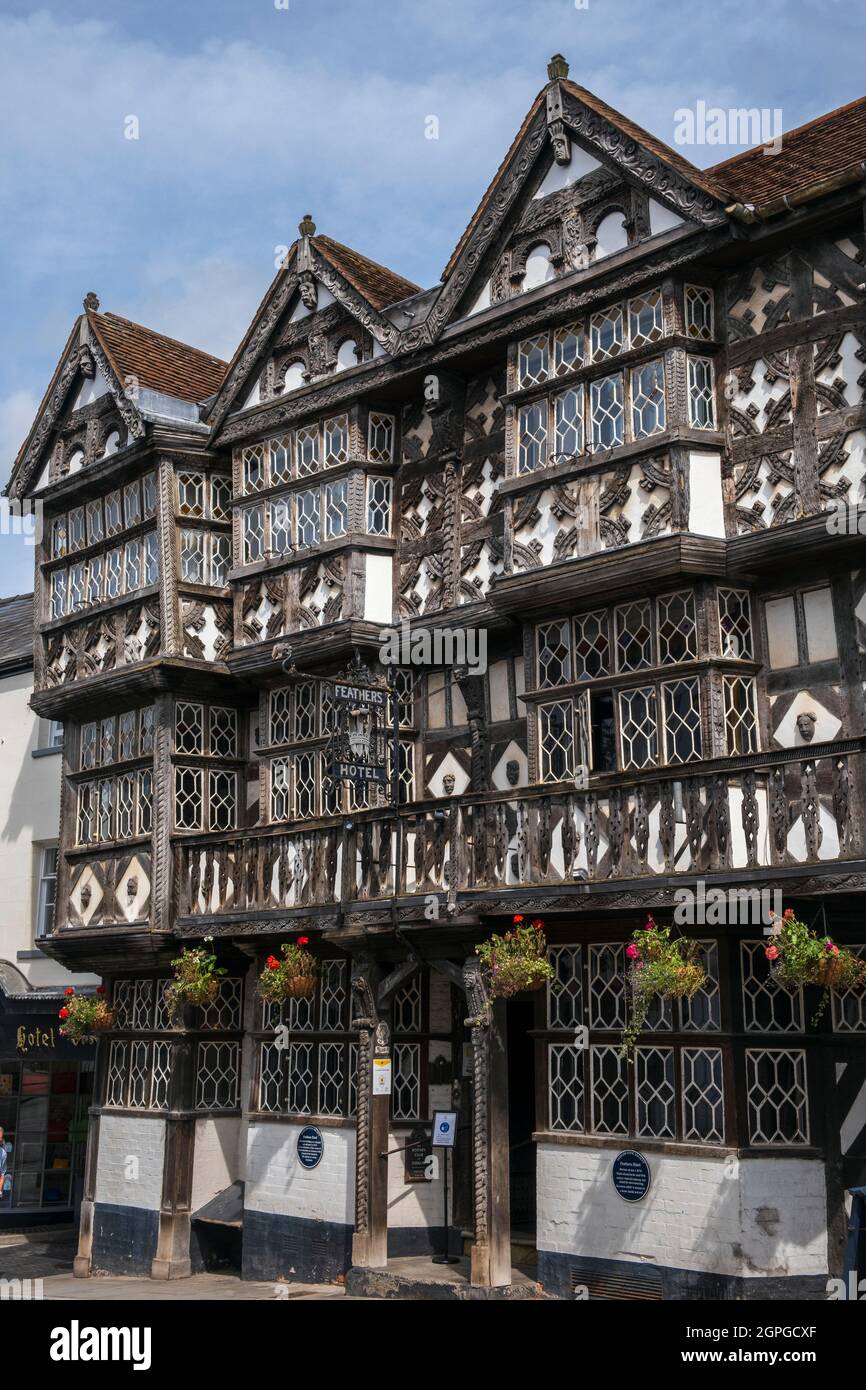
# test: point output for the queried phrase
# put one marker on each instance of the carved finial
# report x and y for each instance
(91, 302)
(557, 68)
(307, 226)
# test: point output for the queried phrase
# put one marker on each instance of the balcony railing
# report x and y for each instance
(768, 812)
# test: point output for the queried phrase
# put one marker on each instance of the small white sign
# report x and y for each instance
(444, 1129)
(381, 1076)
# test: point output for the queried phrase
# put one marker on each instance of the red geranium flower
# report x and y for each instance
(64, 1013)
(518, 917)
(68, 990)
(273, 963)
(303, 941)
(537, 924)
(632, 951)
(771, 952)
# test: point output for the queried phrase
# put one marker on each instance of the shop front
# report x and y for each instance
(46, 1088)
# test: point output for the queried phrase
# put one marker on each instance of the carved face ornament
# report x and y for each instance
(806, 725)
(512, 772)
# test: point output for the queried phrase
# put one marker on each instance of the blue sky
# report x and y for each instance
(253, 112)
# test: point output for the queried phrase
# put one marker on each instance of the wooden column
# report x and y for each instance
(491, 1247)
(172, 1252)
(370, 1241)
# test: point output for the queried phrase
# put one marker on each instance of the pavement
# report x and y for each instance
(47, 1254)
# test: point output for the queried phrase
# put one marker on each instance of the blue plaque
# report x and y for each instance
(311, 1146)
(631, 1176)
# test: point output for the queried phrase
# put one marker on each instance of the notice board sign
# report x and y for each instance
(416, 1156)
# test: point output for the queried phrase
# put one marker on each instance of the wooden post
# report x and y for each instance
(172, 1260)
(370, 1240)
(490, 1264)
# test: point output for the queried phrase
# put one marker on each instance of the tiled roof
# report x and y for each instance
(157, 362)
(16, 631)
(822, 148)
(379, 286)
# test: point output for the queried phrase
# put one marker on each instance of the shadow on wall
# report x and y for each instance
(734, 1218)
(30, 799)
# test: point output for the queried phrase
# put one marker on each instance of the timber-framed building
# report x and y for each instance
(625, 436)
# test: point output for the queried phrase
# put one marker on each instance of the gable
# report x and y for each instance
(579, 183)
(327, 310)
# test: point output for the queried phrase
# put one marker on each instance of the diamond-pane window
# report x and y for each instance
(606, 412)
(336, 509)
(637, 717)
(77, 534)
(88, 746)
(305, 785)
(776, 1096)
(379, 506)
(253, 520)
(307, 450)
(554, 655)
(565, 1083)
(281, 715)
(606, 334)
(217, 1081)
(407, 1006)
(634, 644)
(565, 989)
(223, 732)
(333, 995)
(655, 1093)
(308, 517)
(380, 437)
(280, 792)
(677, 630)
(591, 647)
(735, 624)
(648, 399)
(305, 711)
(741, 720)
(337, 440)
(190, 494)
(281, 526)
(222, 799)
(131, 504)
(532, 361)
(220, 497)
(254, 474)
(532, 437)
(406, 1096)
(609, 1090)
(107, 741)
(702, 407)
(146, 731)
(189, 728)
(113, 514)
(145, 802)
(767, 1006)
(682, 721)
(192, 561)
(556, 736)
(568, 412)
(699, 311)
(300, 1068)
(568, 348)
(703, 1097)
(280, 458)
(645, 319)
(188, 798)
(95, 529)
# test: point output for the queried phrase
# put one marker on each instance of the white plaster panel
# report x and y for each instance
(130, 1160)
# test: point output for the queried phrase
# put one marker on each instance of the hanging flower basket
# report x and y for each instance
(659, 966)
(84, 1016)
(516, 961)
(196, 980)
(293, 977)
(799, 956)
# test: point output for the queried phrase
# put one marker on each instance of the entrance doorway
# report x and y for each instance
(521, 1118)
